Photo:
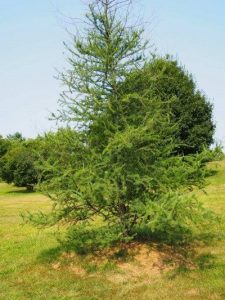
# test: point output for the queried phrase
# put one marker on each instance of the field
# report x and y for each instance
(33, 266)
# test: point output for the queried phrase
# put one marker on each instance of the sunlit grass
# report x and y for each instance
(31, 268)
(6, 189)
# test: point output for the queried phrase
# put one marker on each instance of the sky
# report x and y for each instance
(32, 34)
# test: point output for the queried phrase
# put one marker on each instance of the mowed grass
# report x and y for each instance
(33, 267)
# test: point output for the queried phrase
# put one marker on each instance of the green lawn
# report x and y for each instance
(32, 266)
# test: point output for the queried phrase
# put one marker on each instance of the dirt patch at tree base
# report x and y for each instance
(128, 263)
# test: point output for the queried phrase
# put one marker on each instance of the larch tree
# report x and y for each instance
(120, 165)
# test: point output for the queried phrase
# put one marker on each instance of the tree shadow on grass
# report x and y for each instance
(200, 262)
(20, 192)
(211, 172)
(50, 255)
(146, 251)
(142, 257)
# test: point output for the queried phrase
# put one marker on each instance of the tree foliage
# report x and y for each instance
(4, 146)
(15, 137)
(99, 57)
(190, 109)
(18, 164)
(121, 163)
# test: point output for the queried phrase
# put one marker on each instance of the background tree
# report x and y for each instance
(4, 146)
(16, 137)
(190, 108)
(18, 165)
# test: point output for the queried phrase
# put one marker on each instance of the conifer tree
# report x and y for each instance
(120, 165)
(100, 56)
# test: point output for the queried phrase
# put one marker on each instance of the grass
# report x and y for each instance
(33, 267)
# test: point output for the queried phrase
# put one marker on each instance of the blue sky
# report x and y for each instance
(31, 50)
